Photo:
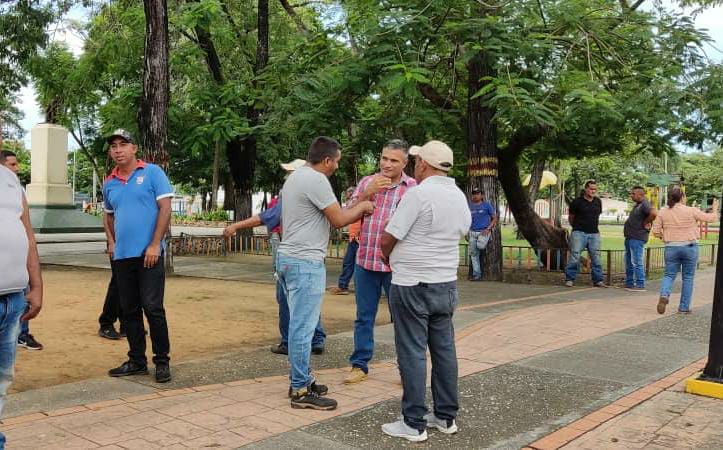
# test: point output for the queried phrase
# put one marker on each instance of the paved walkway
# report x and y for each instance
(256, 410)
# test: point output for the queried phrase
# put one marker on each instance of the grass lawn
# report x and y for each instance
(612, 238)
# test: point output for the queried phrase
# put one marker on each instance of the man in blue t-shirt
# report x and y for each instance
(137, 203)
(484, 219)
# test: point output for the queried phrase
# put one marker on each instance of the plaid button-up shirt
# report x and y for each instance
(369, 255)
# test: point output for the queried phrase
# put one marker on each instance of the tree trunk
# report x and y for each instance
(482, 154)
(245, 167)
(538, 233)
(153, 111)
(533, 186)
(214, 182)
(229, 202)
(535, 180)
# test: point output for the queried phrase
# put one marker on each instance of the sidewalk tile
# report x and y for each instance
(222, 439)
(100, 433)
(599, 417)
(155, 436)
(140, 398)
(140, 420)
(583, 424)
(628, 401)
(139, 444)
(285, 418)
(75, 443)
(65, 411)
(240, 410)
(264, 424)
(173, 392)
(615, 409)
(105, 404)
(87, 418)
(24, 419)
(251, 433)
(241, 382)
(184, 430)
(209, 387)
(189, 407)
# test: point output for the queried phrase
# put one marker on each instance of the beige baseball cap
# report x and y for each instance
(436, 153)
(293, 165)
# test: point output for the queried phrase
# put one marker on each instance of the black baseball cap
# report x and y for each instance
(121, 133)
(476, 190)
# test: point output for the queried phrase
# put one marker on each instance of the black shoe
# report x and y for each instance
(29, 342)
(163, 373)
(317, 350)
(320, 389)
(307, 399)
(110, 333)
(280, 349)
(128, 368)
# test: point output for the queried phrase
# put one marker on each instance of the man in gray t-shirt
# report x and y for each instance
(309, 209)
(636, 231)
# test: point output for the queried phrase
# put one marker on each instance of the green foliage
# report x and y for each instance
(703, 175)
(218, 215)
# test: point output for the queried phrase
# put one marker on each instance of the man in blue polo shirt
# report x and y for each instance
(484, 219)
(137, 201)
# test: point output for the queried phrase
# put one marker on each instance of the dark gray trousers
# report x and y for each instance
(422, 317)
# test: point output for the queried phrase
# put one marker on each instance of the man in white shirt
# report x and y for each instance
(20, 268)
(421, 243)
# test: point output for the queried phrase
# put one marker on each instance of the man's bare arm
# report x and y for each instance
(153, 251)
(388, 244)
(109, 227)
(34, 295)
(251, 222)
(339, 217)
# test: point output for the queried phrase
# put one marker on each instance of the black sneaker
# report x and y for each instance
(318, 388)
(163, 373)
(280, 349)
(128, 368)
(110, 333)
(317, 350)
(29, 342)
(307, 399)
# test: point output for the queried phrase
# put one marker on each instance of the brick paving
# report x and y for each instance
(233, 414)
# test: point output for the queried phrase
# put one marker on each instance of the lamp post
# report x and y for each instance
(714, 368)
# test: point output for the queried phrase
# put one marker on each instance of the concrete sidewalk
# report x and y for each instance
(530, 365)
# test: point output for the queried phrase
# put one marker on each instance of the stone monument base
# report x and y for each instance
(63, 219)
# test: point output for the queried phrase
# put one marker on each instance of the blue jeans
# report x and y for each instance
(422, 317)
(24, 328)
(12, 306)
(475, 254)
(580, 241)
(634, 267)
(319, 334)
(303, 282)
(347, 268)
(677, 258)
(369, 285)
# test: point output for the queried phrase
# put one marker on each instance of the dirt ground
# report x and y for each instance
(206, 317)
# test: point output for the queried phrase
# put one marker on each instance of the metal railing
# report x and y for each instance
(513, 257)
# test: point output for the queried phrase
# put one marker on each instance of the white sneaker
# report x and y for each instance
(402, 430)
(440, 424)
(569, 283)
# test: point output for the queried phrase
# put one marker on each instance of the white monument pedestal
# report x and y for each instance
(52, 208)
(49, 167)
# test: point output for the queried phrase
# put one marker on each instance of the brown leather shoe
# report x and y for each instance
(662, 303)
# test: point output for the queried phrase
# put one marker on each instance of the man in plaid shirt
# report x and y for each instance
(385, 189)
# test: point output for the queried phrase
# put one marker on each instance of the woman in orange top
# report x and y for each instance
(677, 226)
